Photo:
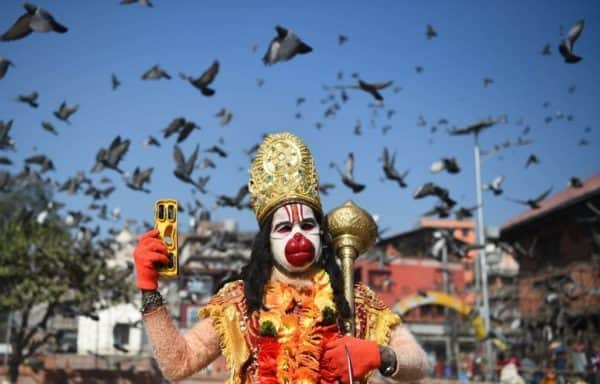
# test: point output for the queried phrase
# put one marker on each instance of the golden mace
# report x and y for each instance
(353, 231)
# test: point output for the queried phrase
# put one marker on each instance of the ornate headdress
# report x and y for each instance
(283, 171)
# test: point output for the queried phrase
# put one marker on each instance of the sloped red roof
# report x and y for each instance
(561, 199)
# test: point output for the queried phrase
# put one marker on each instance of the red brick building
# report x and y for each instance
(558, 249)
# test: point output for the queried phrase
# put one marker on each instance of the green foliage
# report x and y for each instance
(43, 266)
(41, 263)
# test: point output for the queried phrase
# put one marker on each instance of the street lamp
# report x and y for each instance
(481, 263)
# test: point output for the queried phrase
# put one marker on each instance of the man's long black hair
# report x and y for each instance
(258, 270)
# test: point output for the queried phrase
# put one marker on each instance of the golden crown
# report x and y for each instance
(283, 171)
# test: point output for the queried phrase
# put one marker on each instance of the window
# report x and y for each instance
(121, 334)
(380, 280)
(358, 275)
(66, 342)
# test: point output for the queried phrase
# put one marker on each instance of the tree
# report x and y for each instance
(46, 271)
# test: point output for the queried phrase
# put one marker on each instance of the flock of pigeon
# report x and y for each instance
(284, 46)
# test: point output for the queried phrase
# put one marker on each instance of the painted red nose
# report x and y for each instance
(299, 251)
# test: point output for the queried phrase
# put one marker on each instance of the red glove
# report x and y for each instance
(364, 356)
(151, 250)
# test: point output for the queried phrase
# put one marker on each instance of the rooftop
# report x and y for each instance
(563, 199)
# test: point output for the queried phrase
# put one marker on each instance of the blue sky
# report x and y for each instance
(497, 39)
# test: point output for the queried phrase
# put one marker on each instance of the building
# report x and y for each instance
(403, 265)
(558, 249)
(117, 331)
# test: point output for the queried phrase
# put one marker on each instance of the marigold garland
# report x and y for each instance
(301, 321)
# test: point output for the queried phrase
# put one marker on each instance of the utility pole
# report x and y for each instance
(449, 322)
(482, 259)
(452, 346)
(481, 262)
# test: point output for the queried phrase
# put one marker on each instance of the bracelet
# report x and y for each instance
(150, 300)
(388, 361)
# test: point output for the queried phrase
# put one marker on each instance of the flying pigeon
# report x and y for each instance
(151, 141)
(566, 45)
(495, 185)
(43, 161)
(30, 99)
(487, 81)
(430, 33)
(216, 149)
(183, 169)
(473, 128)
(431, 189)
(35, 19)
(284, 46)
(448, 164)
(371, 88)
(111, 156)
(532, 159)
(535, 202)
(235, 201)
(115, 82)
(325, 187)
(546, 50)
(174, 126)
(144, 3)
(389, 168)
(348, 174)
(156, 73)
(65, 111)
(4, 64)
(139, 177)
(225, 116)
(203, 81)
(49, 127)
(6, 141)
(186, 129)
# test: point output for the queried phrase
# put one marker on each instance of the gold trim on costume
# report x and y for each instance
(226, 317)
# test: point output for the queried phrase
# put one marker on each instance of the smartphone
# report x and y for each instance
(165, 220)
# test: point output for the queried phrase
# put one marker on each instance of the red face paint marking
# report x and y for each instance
(295, 215)
(299, 251)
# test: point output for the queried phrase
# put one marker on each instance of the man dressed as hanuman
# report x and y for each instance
(282, 321)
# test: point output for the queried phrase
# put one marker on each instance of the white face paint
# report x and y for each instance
(295, 240)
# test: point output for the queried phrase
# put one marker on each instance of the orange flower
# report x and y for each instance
(300, 334)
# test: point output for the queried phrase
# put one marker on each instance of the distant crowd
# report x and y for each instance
(577, 362)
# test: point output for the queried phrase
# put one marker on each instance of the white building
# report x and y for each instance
(119, 326)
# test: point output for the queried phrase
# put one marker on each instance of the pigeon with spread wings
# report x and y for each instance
(348, 174)
(389, 168)
(65, 111)
(156, 73)
(204, 80)
(139, 177)
(566, 45)
(285, 46)
(4, 64)
(533, 203)
(30, 99)
(371, 88)
(35, 19)
(235, 201)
